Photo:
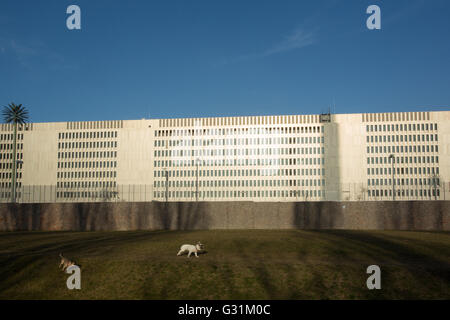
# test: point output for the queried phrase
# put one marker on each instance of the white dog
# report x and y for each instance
(191, 248)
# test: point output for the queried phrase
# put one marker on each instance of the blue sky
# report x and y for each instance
(200, 58)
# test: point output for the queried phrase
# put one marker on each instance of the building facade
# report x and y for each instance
(374, 156)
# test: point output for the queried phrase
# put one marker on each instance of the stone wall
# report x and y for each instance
(379, 215)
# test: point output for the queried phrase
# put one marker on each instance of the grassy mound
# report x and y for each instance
(237, 264)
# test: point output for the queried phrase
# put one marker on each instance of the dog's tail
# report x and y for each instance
(61, 255)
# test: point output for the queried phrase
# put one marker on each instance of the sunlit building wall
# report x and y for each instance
(377, 156)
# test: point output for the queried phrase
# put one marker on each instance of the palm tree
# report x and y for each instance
(15, 114)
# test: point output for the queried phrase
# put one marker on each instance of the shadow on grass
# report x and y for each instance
(192, 254)
(251, 264)
(406, 254)
(17, 262)
(390, 253)
(260, 271)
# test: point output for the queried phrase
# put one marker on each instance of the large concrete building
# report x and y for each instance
(375, 156)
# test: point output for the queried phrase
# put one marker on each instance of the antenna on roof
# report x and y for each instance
(325, 116)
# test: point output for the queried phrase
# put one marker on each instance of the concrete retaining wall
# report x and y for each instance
(379, 215)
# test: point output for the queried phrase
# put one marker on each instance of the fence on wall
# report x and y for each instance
(143, 193)
(51, 193)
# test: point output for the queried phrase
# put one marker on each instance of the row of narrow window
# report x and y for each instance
(433, 181)
(238, 131)
(9, 146)
(93, 195)
(8, 165)
(241, 162)
(8, 175)
(400, 160)
(238, 141)
(10, 136)
(242, 194)
(410, 170)
(89, 154)
(405, 193)
(403, 149)
(240, 183)
(401, 127)
(88, 135)
(238, 152)
(86, 184)
(403, 138)
(240, 173)
(87, 144)
(88, 164)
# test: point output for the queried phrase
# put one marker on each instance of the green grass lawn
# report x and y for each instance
(238, 264)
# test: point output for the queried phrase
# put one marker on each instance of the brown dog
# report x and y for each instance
(65, 262)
